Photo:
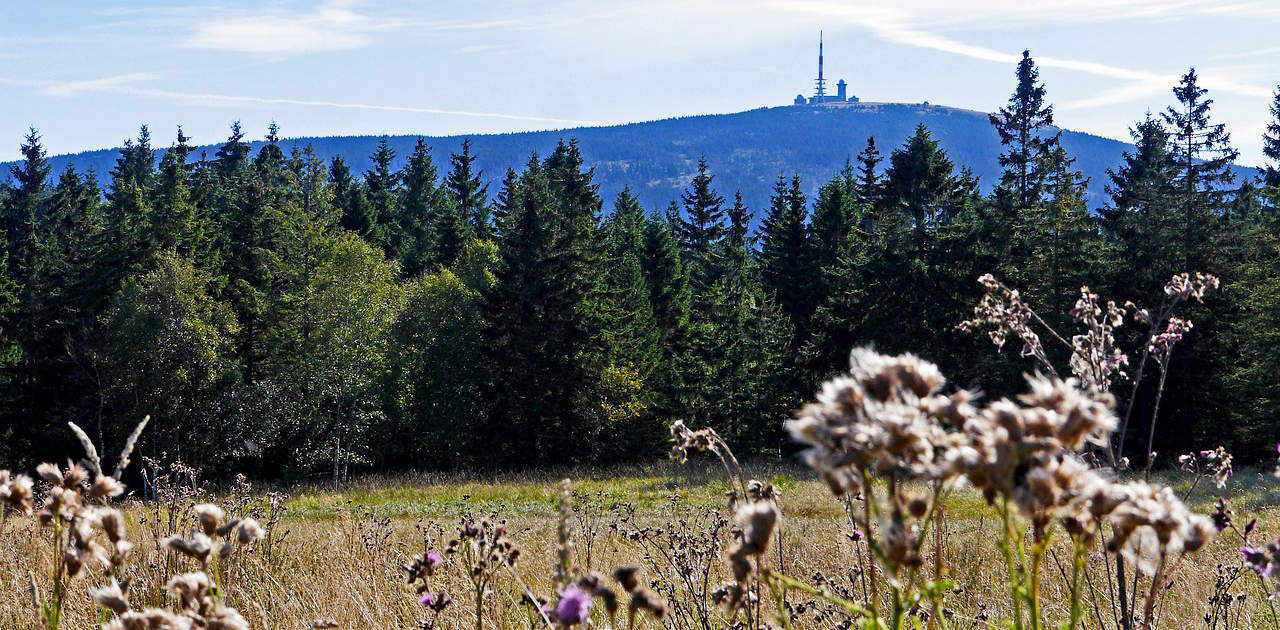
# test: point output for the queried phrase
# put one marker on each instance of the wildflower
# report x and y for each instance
(16, 492)
(436, 601)
(628, 576)
(248, 531)
(210, 517)
(105, 487)
(111, 597)
(649, 602)
(1152, 524)
(573, 607)
(149, 619)
(199, 546)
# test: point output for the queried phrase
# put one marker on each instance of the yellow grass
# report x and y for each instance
(342, 547)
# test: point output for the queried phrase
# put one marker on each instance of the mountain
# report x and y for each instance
(746, 150)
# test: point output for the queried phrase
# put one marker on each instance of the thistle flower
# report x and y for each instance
(573, 607)
(210, 517)
(754, 524)
(149, 619)
(885, 416)
(104, 488)
(1184, 286)
(1175, 329)
(628, 576)
(435, 601)
(1152, 523)
(1003, 312)
(249, 531)
(647, 601)
(1080, 417)
(50, 473)
(1215, 464)
(199, 546)
(1265, 562)
(16, 493)
(111, 597)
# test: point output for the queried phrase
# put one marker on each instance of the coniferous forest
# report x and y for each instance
(278, 315)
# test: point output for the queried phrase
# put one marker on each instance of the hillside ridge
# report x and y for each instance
(746, 150)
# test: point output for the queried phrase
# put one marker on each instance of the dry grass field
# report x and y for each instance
(334, 554)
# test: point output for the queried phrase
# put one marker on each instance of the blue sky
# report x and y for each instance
(87, 73)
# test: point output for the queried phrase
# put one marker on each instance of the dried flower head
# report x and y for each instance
(112, 597)
(16, 493)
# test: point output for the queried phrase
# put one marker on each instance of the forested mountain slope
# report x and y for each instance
(747, 150)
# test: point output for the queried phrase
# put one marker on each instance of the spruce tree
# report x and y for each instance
(869, 182)
(700, 227)
(668, 282)
(382, 189)
(631, 329)
(784, 256)
(174, 222)
(1203, 154)
(1271, 144)
(538, 337)
(465, 186)
(234, 153)
(1022, 126)
(350, 199)
(423, 233)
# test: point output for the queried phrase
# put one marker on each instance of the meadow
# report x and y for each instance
(916, 505)
(333, 555)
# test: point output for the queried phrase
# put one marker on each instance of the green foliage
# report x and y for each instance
(168, 352)
(301, 319)
(435, 361)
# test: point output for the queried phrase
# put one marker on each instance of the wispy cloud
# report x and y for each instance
(898, 26)
(336, 25)
(123, 84)
(75, 88)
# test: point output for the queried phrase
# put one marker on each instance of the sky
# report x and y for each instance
(87, 73)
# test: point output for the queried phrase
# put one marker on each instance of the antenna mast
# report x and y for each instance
(821, 93)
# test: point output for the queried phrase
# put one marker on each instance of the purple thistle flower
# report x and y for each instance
(436, 601)
(1255, 557)
(574, 606)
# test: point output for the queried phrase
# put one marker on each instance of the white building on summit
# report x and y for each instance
(820, 95)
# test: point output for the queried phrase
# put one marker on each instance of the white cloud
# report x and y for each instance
(331, 27)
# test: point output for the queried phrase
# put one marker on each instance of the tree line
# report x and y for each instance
(280, 315)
